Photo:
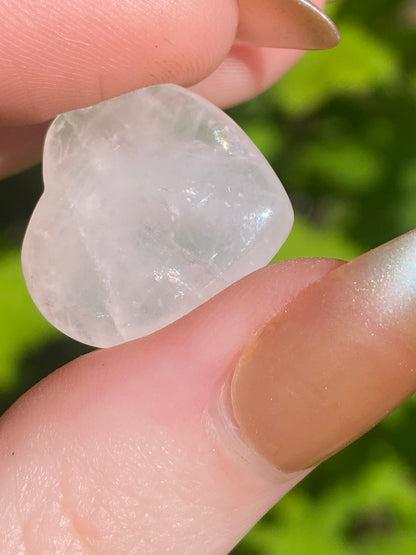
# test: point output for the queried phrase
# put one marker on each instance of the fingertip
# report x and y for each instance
(67, 55)
(246, 72)
(334, 363)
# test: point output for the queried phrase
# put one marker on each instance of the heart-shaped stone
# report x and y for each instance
(154, 202)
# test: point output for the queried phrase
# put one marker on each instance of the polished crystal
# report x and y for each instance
(154, 202)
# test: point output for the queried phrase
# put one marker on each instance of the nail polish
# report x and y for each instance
(295, 24)
(334, 362)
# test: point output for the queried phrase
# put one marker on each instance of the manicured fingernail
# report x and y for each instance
(335, 362)
(285, 24)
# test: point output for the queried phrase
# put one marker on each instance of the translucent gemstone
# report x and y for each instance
(154, 202)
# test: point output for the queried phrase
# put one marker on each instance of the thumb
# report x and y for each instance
(148, 448)
(56, 56)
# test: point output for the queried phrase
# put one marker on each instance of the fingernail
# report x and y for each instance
(335, 362)
(285, 24)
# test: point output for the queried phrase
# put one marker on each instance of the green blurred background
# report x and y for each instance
(340, 130)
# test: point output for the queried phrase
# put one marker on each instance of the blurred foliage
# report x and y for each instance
(340, 130)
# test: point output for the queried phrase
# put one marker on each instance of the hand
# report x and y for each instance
(137, 449)
(55, 56)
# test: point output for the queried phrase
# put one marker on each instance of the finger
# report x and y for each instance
(65, 56)
(246, 72)
(364, 315)
(59, 56)
(148, 445)
(250, 69)
(124, 450)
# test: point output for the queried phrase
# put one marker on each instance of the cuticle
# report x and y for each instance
(223, 426)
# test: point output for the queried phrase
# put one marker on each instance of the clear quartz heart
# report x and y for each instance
(154, 202)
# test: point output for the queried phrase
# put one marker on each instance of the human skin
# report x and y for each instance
(135, 449)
